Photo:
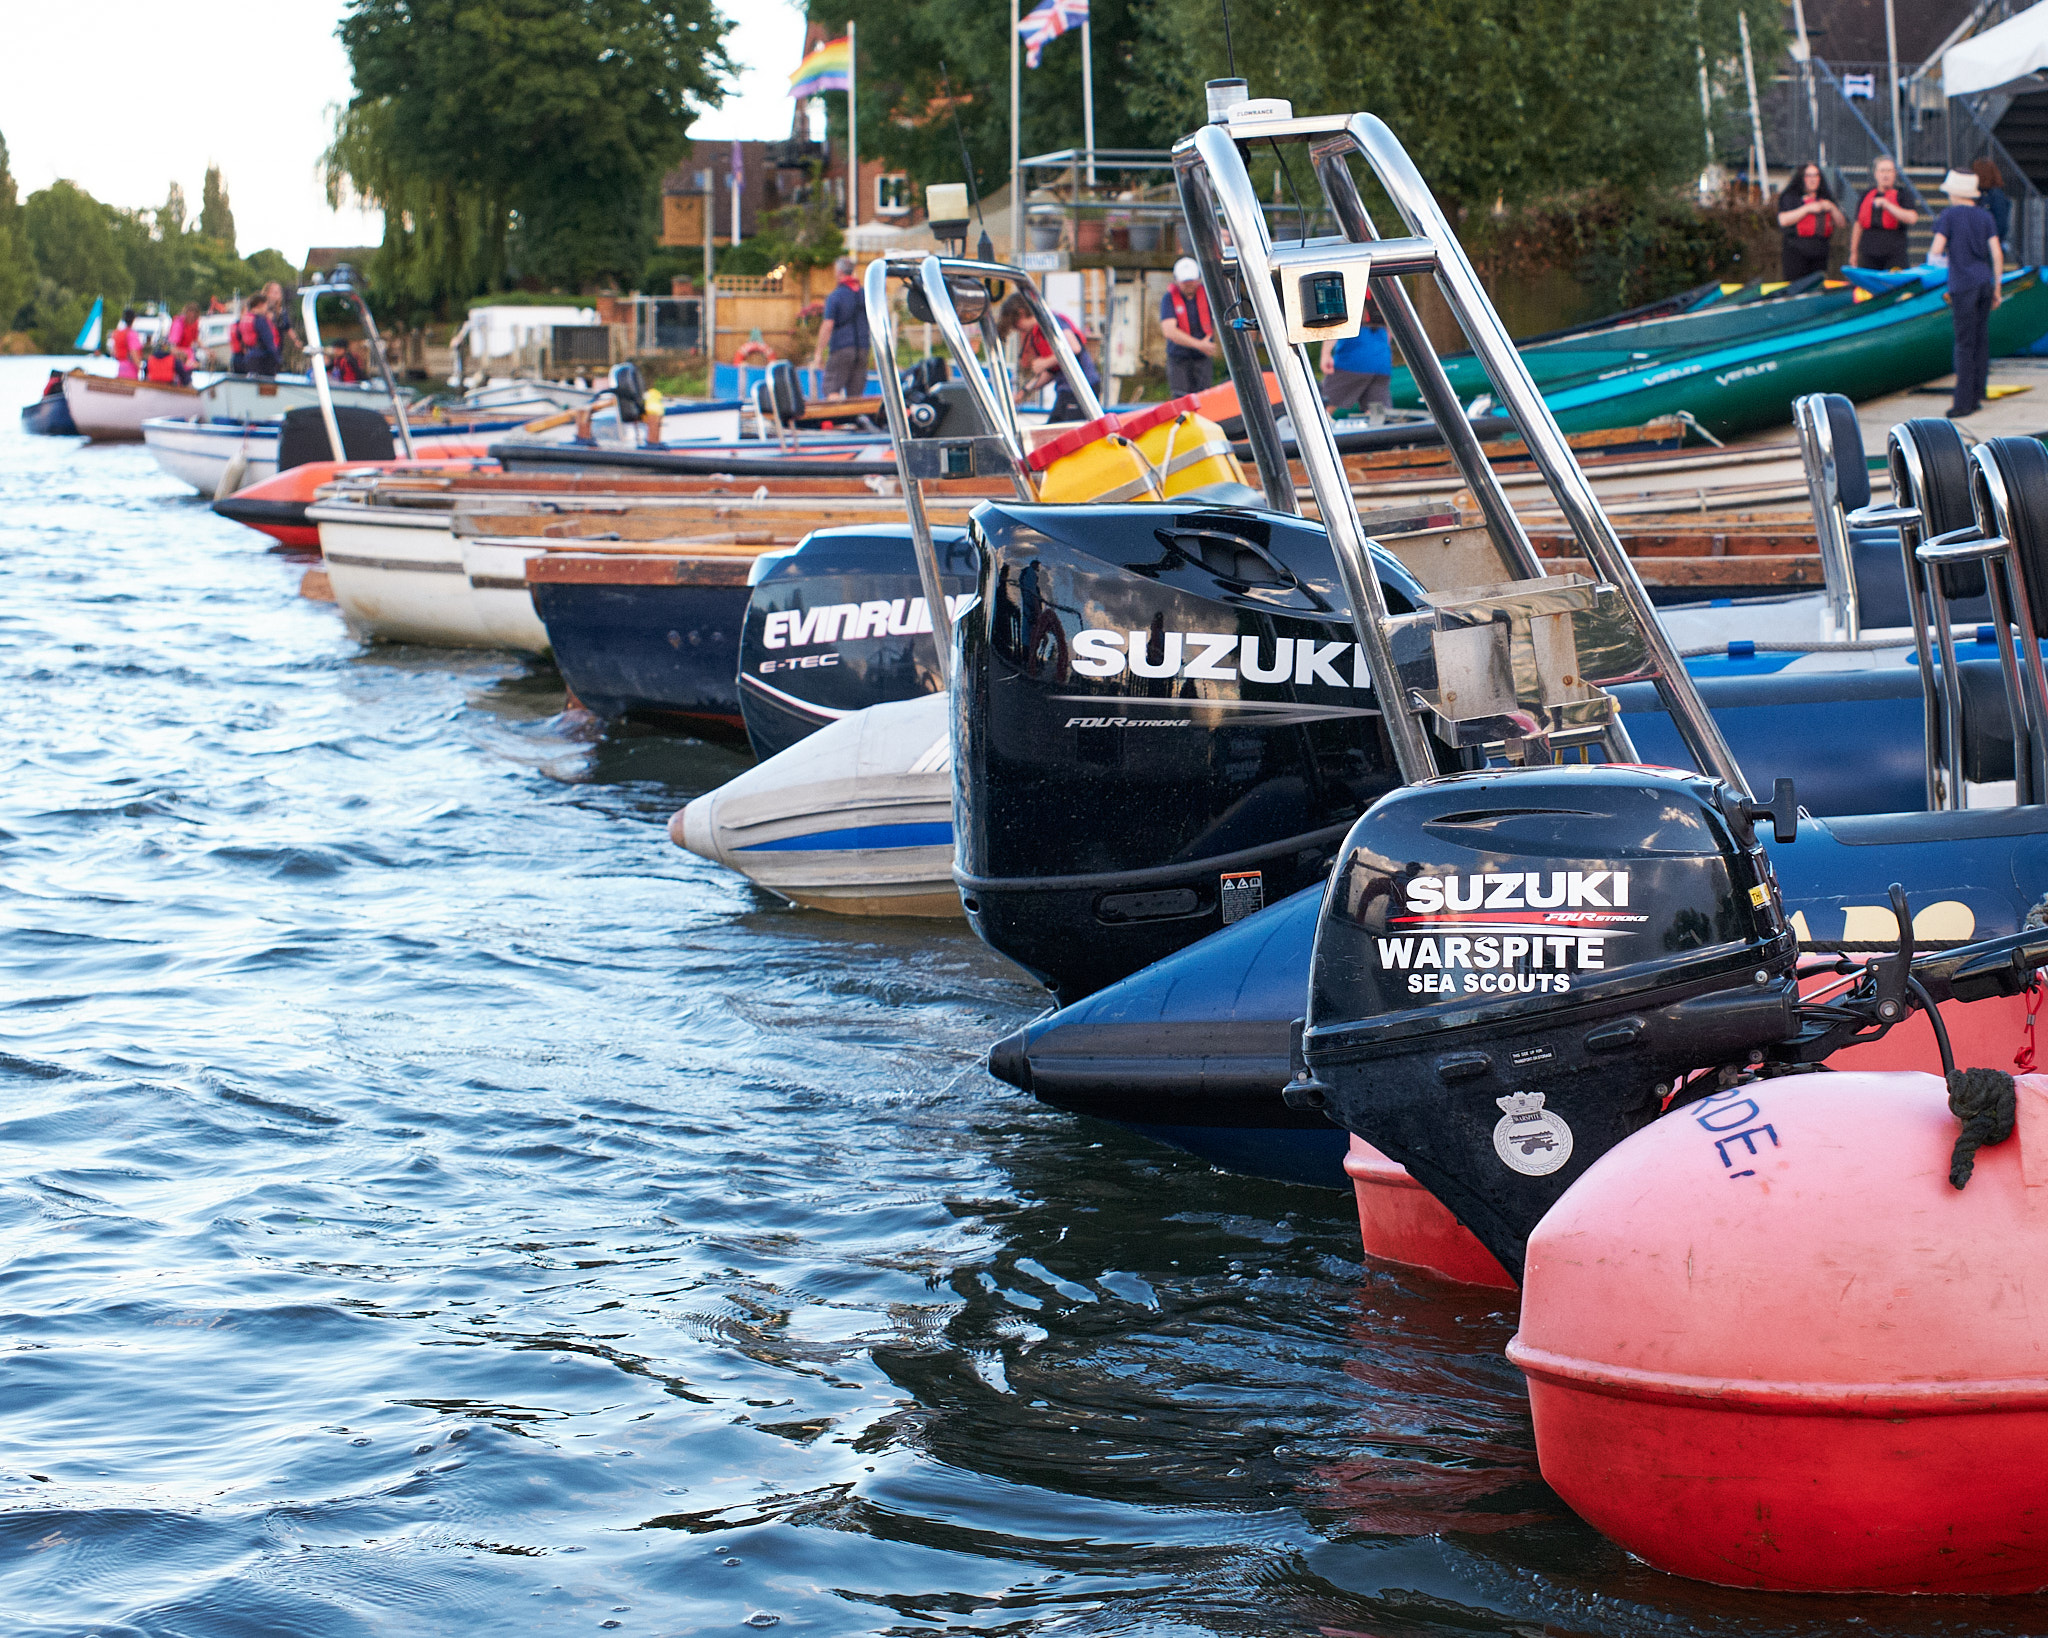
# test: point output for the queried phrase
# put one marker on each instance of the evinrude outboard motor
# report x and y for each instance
(1515, 969)
(839, 624)
(1163, 723)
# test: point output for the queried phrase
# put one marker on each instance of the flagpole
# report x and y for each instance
(1088, 98)
(1016, 152)
(852, 136)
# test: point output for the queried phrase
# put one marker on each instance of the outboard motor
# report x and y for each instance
(629, 389)
(787, 391)
(1163, 724)
(839, 624)
(1514, 970)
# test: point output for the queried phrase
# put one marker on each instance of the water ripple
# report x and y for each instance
(429, 1202)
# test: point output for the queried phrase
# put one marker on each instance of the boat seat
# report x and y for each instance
(1945, 461)
(1221, 494)
(1869, 727)
(365, 436)
(1881, 584)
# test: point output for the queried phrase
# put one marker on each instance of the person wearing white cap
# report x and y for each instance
(1968, 235)
(1190, 331)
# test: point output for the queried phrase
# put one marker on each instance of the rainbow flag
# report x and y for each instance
(828, 68)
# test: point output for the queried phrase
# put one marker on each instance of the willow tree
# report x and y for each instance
(511, 138)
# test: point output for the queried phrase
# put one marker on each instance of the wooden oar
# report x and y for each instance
(548, 423)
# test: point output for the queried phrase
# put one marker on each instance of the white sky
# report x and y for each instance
(69, 108)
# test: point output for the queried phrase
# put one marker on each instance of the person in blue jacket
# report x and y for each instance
(1359, 370)
(1968, 235)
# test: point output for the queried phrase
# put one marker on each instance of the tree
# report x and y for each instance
(905, 116)
(17, 262)
(72, 235)
(1507, 100)
(519, 134)
(216, 220)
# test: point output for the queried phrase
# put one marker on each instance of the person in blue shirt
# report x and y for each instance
(842, 350)
(1968, 235)
(1358, 371)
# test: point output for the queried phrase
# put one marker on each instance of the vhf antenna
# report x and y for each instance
(985, 250)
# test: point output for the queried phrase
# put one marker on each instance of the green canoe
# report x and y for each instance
(1881, 347)
(1572, 358)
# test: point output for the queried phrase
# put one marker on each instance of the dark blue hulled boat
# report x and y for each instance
(50, 415)
(652, 635)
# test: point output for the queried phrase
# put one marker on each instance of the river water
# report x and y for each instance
(430, 1202)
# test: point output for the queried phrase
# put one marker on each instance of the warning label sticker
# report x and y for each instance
(1244, 891)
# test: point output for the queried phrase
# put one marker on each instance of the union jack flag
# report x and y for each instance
(1047, 22)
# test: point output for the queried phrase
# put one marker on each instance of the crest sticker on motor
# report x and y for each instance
(1530, 1139)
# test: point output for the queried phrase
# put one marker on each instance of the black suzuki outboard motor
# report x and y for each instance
(840, 624)
(1163, 724)
(1515, 970)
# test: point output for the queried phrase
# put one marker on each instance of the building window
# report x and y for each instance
(892, 194)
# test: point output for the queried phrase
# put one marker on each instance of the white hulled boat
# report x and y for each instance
(857, 818)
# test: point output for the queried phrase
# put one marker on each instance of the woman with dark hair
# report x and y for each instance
(1809, 215)
(1992, 196)
(1037, 363)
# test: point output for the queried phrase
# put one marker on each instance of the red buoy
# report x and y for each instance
(1769, 1345)
(1399, 1221)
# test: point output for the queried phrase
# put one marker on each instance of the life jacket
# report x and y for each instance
(122, 344)
(1037, 346)
(1180, 311)
(1815, 227)
(1875, 213)
(245, 332)
(163, 367)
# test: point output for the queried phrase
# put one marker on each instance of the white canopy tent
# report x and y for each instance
(2011, 57)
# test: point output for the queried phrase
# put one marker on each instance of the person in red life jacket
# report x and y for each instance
(126, 346)
(1189, 330)
(278, 310)
(1888, 207)
(1809, 215)
(1036, 362)
(343, 365)
(165, 366)
(242, 337)
(259, 350)
(185, 331)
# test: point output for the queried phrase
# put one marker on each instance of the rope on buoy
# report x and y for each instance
(1983, 1100)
